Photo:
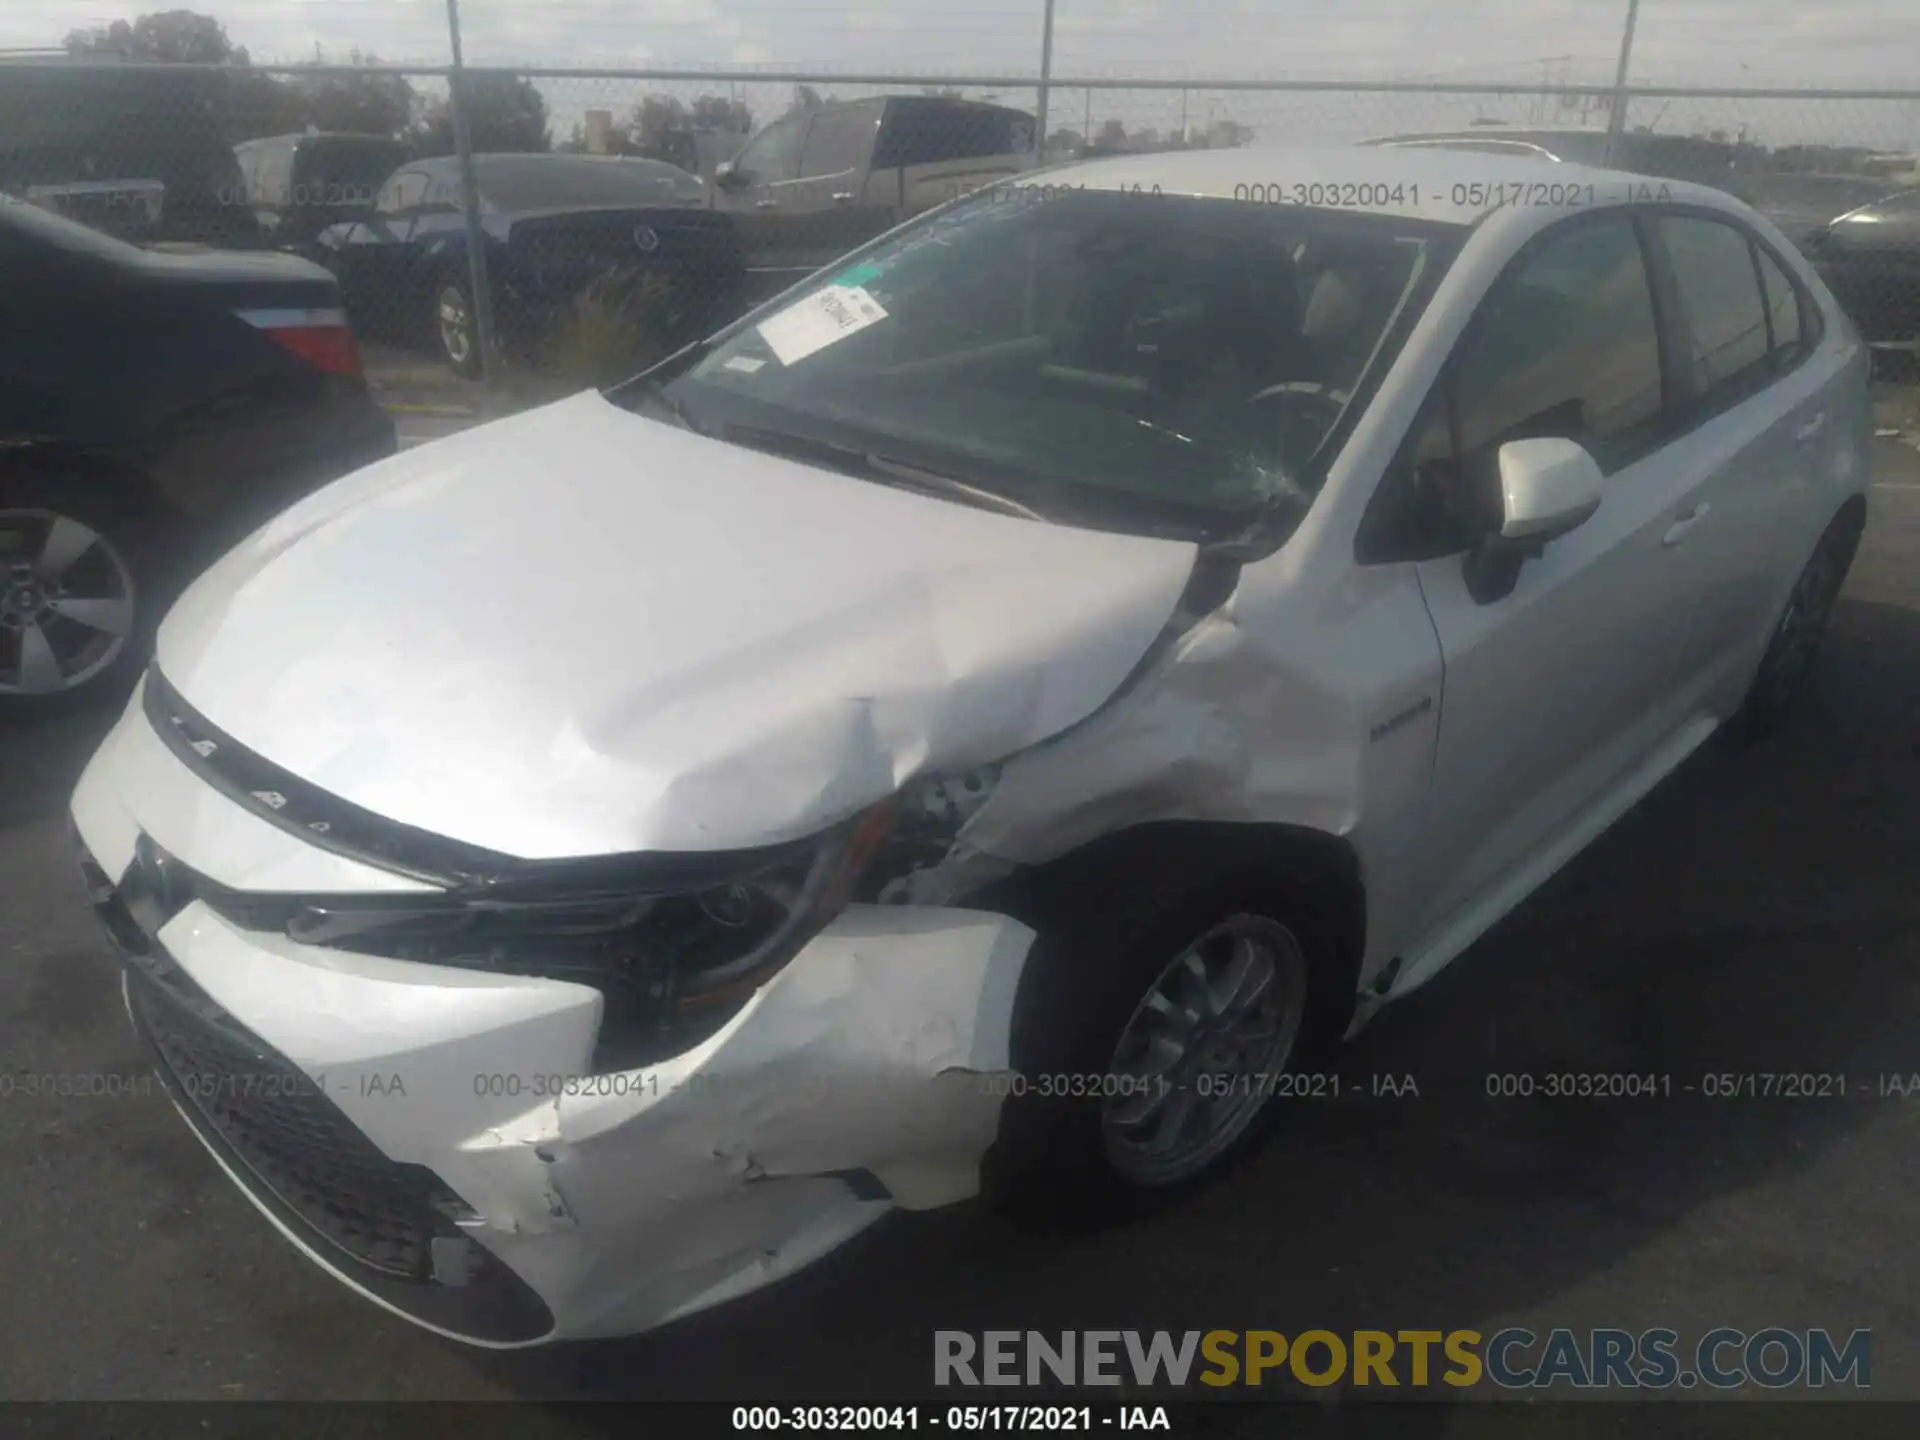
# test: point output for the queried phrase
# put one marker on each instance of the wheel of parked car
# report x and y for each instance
(1796, 635)
(1157, 1023)
(453, 323)
(74, 608)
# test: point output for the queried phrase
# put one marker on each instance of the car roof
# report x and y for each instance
(1344, 173)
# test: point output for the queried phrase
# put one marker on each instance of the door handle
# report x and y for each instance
(765, 204)
(843, 195)
(1810, 431)
(1677, 531)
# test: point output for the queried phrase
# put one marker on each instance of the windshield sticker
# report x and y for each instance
(746, 364)
(860, 274)
(823, 318)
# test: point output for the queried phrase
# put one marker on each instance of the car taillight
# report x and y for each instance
(319, 337)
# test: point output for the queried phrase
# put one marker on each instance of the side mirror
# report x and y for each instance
(727, 175)
(1548, 487)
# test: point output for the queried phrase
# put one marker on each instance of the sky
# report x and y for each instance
(1825, 43)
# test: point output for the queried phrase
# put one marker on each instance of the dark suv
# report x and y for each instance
(139, 153)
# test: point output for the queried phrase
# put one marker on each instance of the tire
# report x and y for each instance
(1081, 1156)
(78, 594)
(1795, 643)
(457, 339)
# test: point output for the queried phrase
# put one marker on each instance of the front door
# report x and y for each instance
(1554, 693)
(758, 197)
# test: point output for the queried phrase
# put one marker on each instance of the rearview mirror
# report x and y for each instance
(1548, 487)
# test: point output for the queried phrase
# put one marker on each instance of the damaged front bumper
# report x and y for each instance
(437, 1138)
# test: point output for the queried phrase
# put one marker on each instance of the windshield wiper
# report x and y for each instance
(888, 470)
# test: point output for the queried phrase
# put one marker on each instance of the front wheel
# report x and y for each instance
(1151, 1041)
(454, 326)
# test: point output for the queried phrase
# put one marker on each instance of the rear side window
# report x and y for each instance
(1565, 346)
(1788, 314)
(917, 134)
(1722, 307)
(839, 140)
(273, 180)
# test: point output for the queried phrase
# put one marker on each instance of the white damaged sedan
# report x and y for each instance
(986, 719)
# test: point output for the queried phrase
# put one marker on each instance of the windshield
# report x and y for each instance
(354, 166)
(512, 182)
(1162, 364)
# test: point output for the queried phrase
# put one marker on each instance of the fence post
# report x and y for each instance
(482, 296)
(1617, 115)
(1046, 74)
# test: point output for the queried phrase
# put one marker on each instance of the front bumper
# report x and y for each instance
(433, 1137)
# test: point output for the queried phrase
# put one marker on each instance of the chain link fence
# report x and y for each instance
(624, 213)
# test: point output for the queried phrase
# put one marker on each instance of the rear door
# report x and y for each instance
(933, 150)
(1755, 419)
(1556, 692)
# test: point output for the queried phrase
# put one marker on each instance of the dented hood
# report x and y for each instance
(579, 631)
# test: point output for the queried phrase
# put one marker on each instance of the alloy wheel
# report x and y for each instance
(67, 603)
(1202, 1052)
(456, 335)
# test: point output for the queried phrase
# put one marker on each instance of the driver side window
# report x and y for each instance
(1564, 346)
(775, 153)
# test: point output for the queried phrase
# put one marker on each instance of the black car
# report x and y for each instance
(1870, 259)
(153, 408)
(558, 227)
(298, 185)
(1804, 205)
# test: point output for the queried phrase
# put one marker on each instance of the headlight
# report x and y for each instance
(674, 943)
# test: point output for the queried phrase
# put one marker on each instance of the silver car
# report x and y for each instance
(992, 717)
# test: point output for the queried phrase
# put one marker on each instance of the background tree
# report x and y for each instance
(656, 120)
(722, 113)
(370, 104)
(178, 37)
(504, 113)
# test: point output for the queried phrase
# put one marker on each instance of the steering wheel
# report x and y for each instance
(1308, 410)
(1309, 388)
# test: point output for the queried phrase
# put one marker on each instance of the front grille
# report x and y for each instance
(296, 1142)
(372, 1220)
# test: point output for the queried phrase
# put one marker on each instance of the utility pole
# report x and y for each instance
(1046, 76)
(1617, 117)
(482, 297)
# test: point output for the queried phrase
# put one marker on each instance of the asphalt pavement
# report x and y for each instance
(1757, 914)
